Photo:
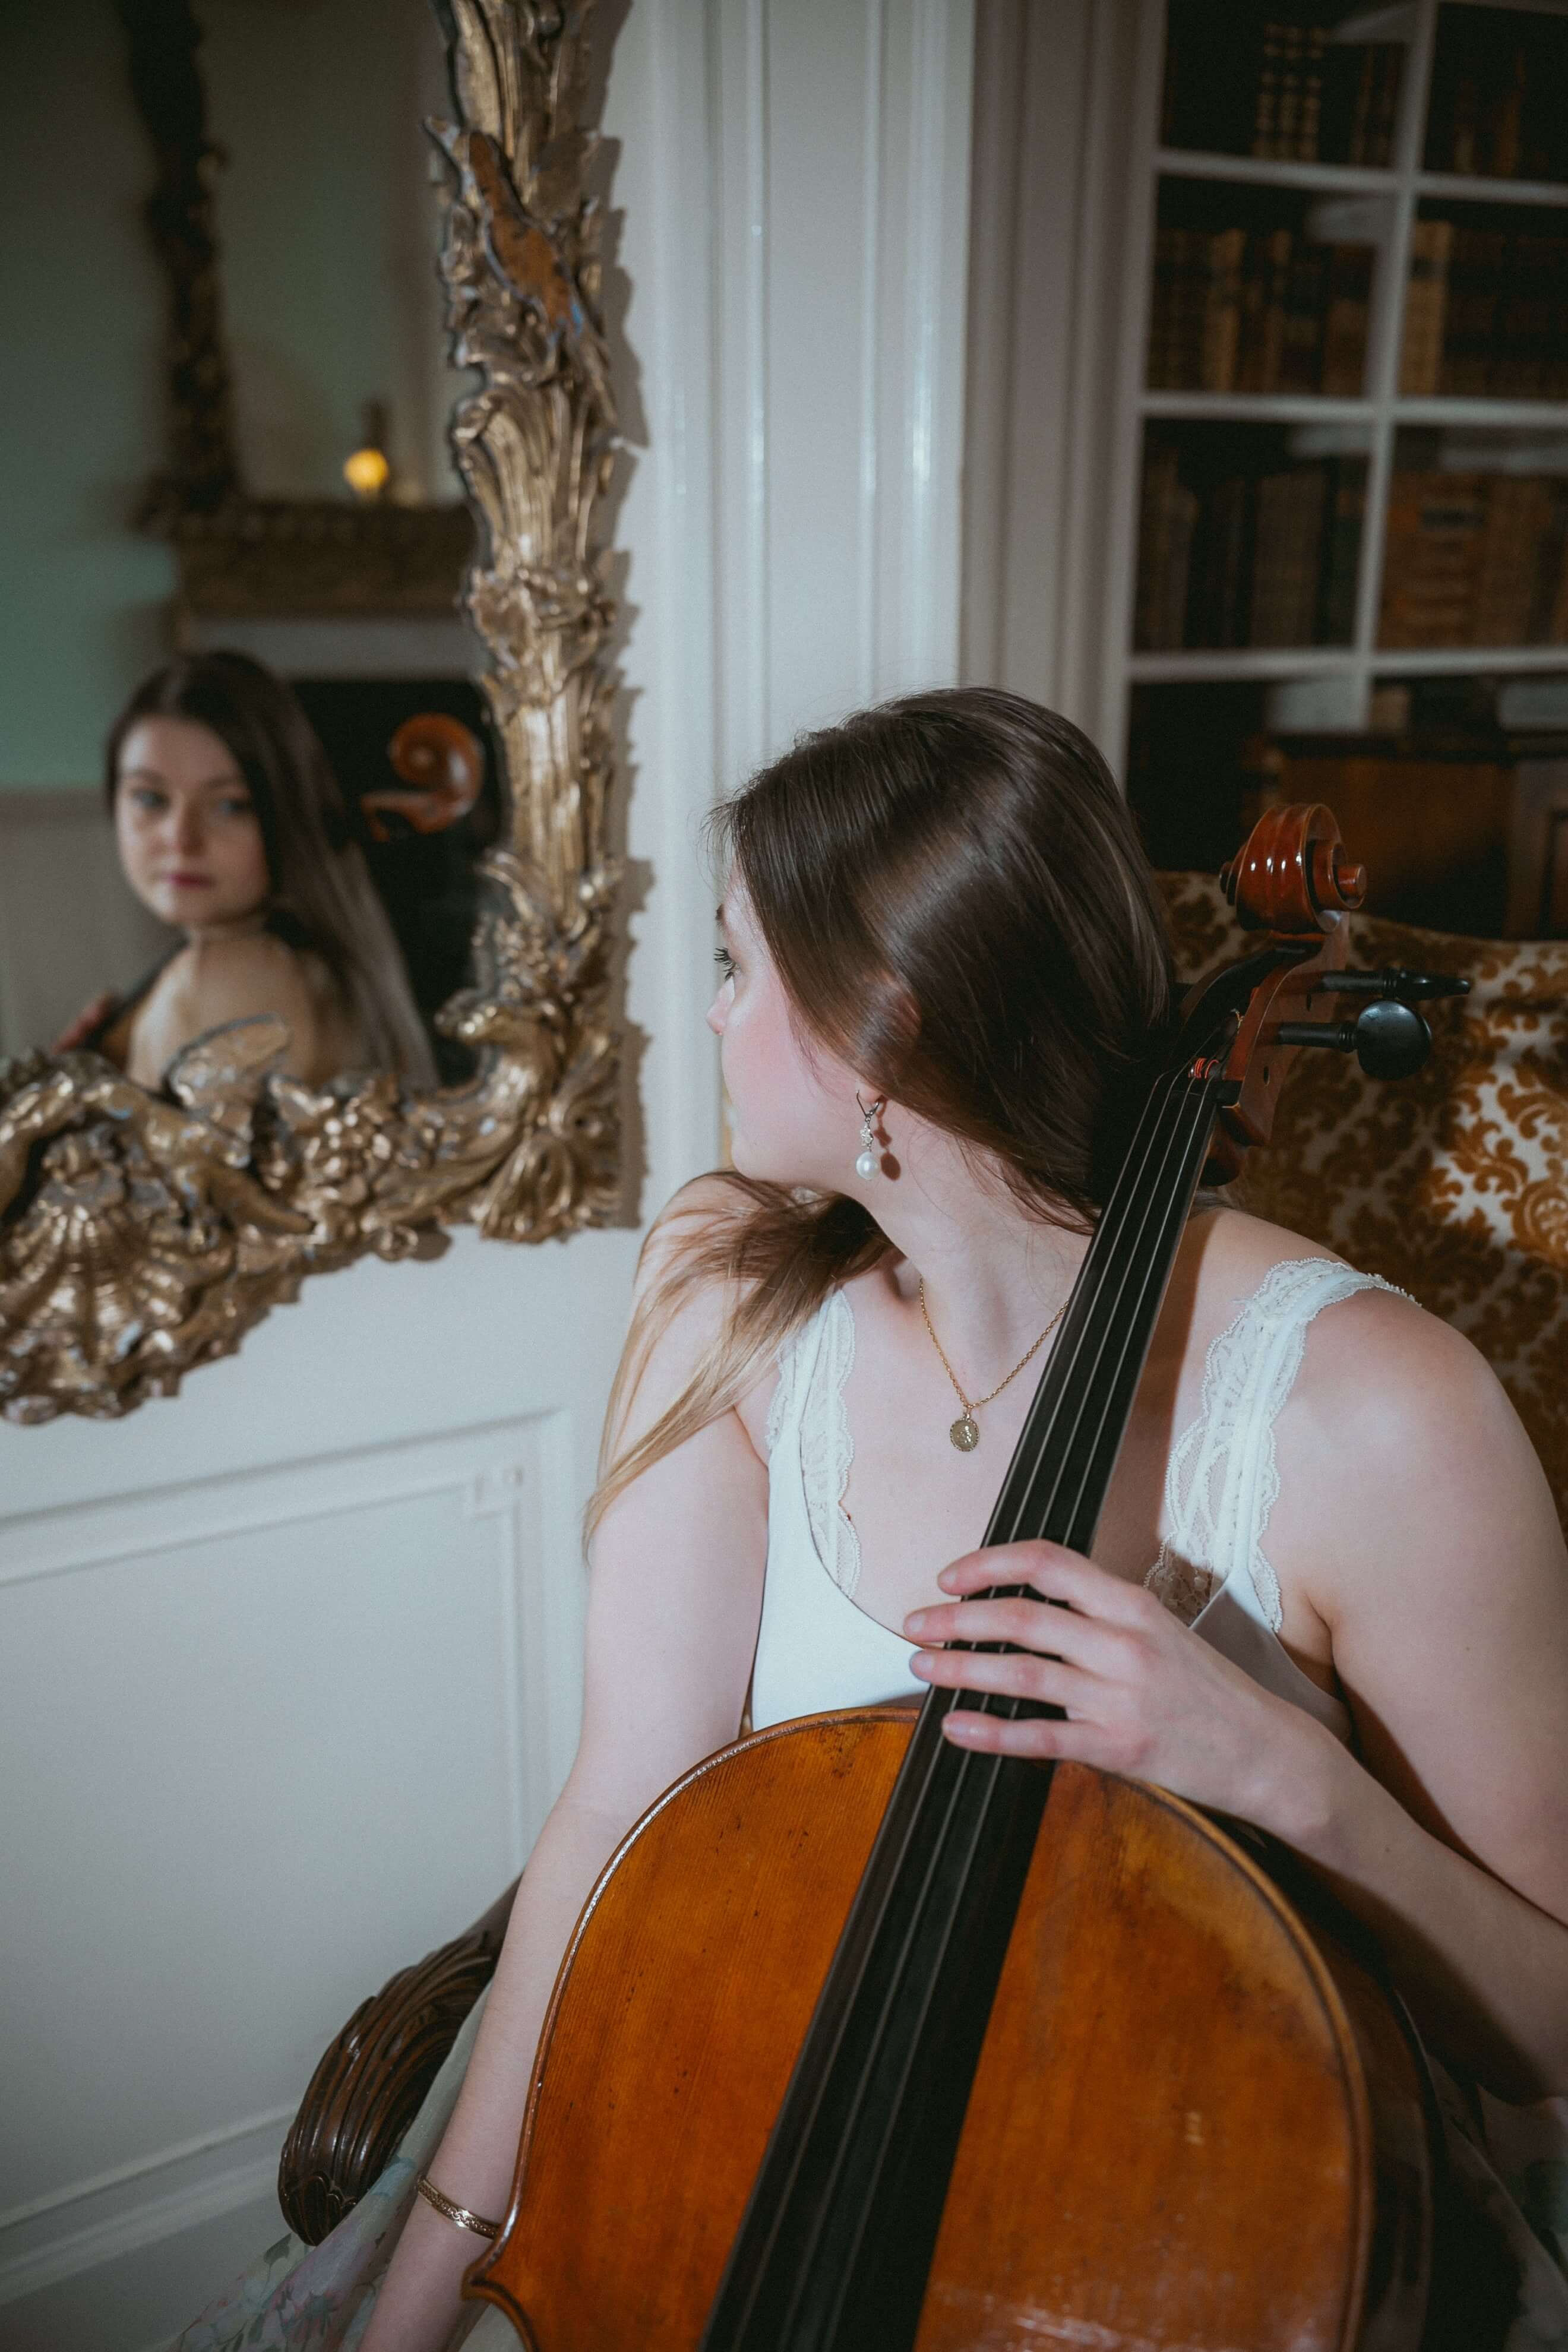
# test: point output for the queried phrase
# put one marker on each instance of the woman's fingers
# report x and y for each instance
(1088, 1641)
(1031, 1736)
(1054, 1572)
(1013, 1673)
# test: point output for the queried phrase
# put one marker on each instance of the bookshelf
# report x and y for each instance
(1311, 527)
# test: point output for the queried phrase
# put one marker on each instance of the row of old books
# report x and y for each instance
(1496, 108)
(1240, 83)
(1486, 313)
(1260, 559)
(1239, 310)
(1476, 560)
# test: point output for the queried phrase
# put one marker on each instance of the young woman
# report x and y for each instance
(1329, 1593)
(231, 829)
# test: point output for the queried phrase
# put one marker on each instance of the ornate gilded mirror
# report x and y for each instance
(145, 1227)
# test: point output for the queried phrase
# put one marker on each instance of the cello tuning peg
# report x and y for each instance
(1390, 1040)
(1393, 979)
(1339, 1034)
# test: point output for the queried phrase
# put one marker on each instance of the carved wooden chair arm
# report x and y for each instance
(369, 2084)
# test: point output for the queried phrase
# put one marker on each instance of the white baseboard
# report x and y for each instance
(117, 2213)
(143, 2299)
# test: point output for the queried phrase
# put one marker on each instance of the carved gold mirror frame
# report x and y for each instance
(143, 1234)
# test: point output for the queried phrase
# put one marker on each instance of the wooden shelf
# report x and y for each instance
(1437, 661)
(1503, 413)
(1214, 665)
(1201, 664)
(1261, 407)
(1348, 672)
(1265, 171)
(1473, 187)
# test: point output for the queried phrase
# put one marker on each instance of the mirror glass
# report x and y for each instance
(296, 796)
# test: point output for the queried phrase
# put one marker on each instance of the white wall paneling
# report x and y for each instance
(251, 1700)
(293, 1671)
(1061, 93)
(841, 174)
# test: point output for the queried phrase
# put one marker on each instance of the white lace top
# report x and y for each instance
(817, 1649)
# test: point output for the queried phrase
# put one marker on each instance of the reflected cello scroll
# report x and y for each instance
(976, 1975)
(440, 765)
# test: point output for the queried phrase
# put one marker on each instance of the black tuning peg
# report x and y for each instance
(1390, 1040)
(1392, 980)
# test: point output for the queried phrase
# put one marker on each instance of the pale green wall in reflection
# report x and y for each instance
(82, 599)
(328, 229)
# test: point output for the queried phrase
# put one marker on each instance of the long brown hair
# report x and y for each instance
(956, 900)
(322, 894)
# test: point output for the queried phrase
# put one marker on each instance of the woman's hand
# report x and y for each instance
(1143, 1696)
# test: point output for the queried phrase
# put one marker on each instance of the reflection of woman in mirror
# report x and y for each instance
(231, 828)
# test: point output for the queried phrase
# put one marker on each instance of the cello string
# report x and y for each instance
(1010, 1706)
(1129, 1252)
(938, 1704)
(917, 1822)
(1035, 1442)
(1045, 1448)
(1127, 1249)
(1197, 1121)
(1153, 1280)
(867, 2186)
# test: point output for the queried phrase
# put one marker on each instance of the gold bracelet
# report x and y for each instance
(459, 2213)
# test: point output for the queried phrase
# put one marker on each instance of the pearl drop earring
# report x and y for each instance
(870, 1162)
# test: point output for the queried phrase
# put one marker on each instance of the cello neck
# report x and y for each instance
(837, 2237)
(1061, 1468)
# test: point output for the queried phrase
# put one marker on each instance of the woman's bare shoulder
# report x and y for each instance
(1378, 1351)
(234, 980)
(1238, 1252)
(686, 1279)
(703, 1206)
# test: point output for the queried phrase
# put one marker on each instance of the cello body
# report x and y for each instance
(1197, 2124)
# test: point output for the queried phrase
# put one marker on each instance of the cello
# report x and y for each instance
(865, 2042)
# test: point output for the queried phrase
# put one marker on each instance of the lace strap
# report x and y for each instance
(814, 1363)
(786, 1355)
(1222, 1479)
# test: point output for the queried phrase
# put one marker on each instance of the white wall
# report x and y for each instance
(1056, 315)
(291, 1662)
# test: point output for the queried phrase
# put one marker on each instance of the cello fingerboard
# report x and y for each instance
(834, 2250)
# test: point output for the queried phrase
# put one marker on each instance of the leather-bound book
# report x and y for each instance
(1425, 306)
(1345, 321)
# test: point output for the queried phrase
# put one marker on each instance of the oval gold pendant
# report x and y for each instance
(965, 1433)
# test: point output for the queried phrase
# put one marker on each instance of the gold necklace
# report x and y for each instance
(965, 1430)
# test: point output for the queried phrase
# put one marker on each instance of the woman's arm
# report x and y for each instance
(1443, 1577)
(674, 1599)
(1423, 1531)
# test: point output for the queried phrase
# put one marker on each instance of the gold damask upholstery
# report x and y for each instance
(1453, 1183)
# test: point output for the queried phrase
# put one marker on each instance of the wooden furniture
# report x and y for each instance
(1538, 846)
(1447, 391)
(1461, 833)
(370, 2082)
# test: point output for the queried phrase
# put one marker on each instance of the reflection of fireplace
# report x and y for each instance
(426, 881)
